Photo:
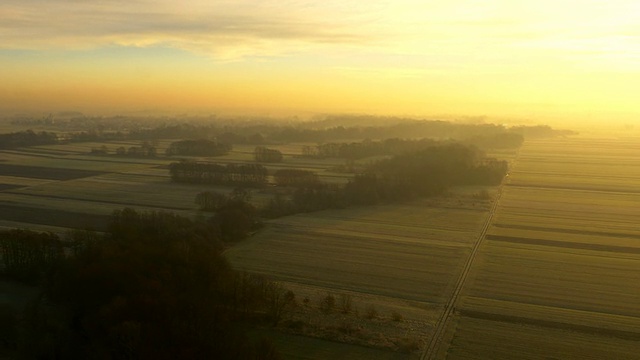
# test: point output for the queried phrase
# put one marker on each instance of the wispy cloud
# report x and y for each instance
(465, 31)
(219, 28)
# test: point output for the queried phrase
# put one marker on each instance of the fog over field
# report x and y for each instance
(319, 180)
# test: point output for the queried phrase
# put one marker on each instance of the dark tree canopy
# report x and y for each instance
(27, 255)
(155, 286)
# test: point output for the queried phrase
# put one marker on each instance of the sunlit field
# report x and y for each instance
(557, 275)
(403, 258)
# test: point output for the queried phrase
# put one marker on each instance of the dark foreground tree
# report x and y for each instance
(27, 255)
(154, 287)
(235, 217)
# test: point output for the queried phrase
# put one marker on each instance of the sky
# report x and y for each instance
(543, 59)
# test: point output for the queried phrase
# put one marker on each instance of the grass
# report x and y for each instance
(308, 348)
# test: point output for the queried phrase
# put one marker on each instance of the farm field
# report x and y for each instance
(421, 243)
(401, 258)
(56, 187)
(557, 274)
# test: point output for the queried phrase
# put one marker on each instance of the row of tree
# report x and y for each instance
(198, 172)
(146, 149)
(264, 154)
(261, 131)
(396, 146)
(201, 147)
(27, 138)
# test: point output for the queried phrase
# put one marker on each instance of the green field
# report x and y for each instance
(403, 258)
(416, 247)
(400, 259)
(55, 187)
(557, 276)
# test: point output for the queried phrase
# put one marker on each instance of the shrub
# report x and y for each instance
(408, 345)
(371, 312)
(345, 303)
(396, 316)
(328, 303)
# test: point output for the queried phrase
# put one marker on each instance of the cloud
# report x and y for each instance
(224, 29)
(439, 33)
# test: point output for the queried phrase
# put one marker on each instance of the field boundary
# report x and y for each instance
(567, 231)
(575, 188)
(124, 204)
(436, 340)
(586, 329)
(565, 244)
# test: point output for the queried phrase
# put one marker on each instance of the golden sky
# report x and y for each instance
(542, 59)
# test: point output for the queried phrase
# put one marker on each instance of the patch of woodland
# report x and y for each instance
(427, 172)
(153, 286)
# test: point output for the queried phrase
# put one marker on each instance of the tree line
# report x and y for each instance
(146, 149)
(365, 148)
(199, 172)
(201, 147)
(262, 132)
(426, 172)
(264, 154)
(396, 146)
(27, 138)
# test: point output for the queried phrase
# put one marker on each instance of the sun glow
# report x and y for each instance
(521, 59)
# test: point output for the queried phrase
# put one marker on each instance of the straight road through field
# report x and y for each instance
(434, 344)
